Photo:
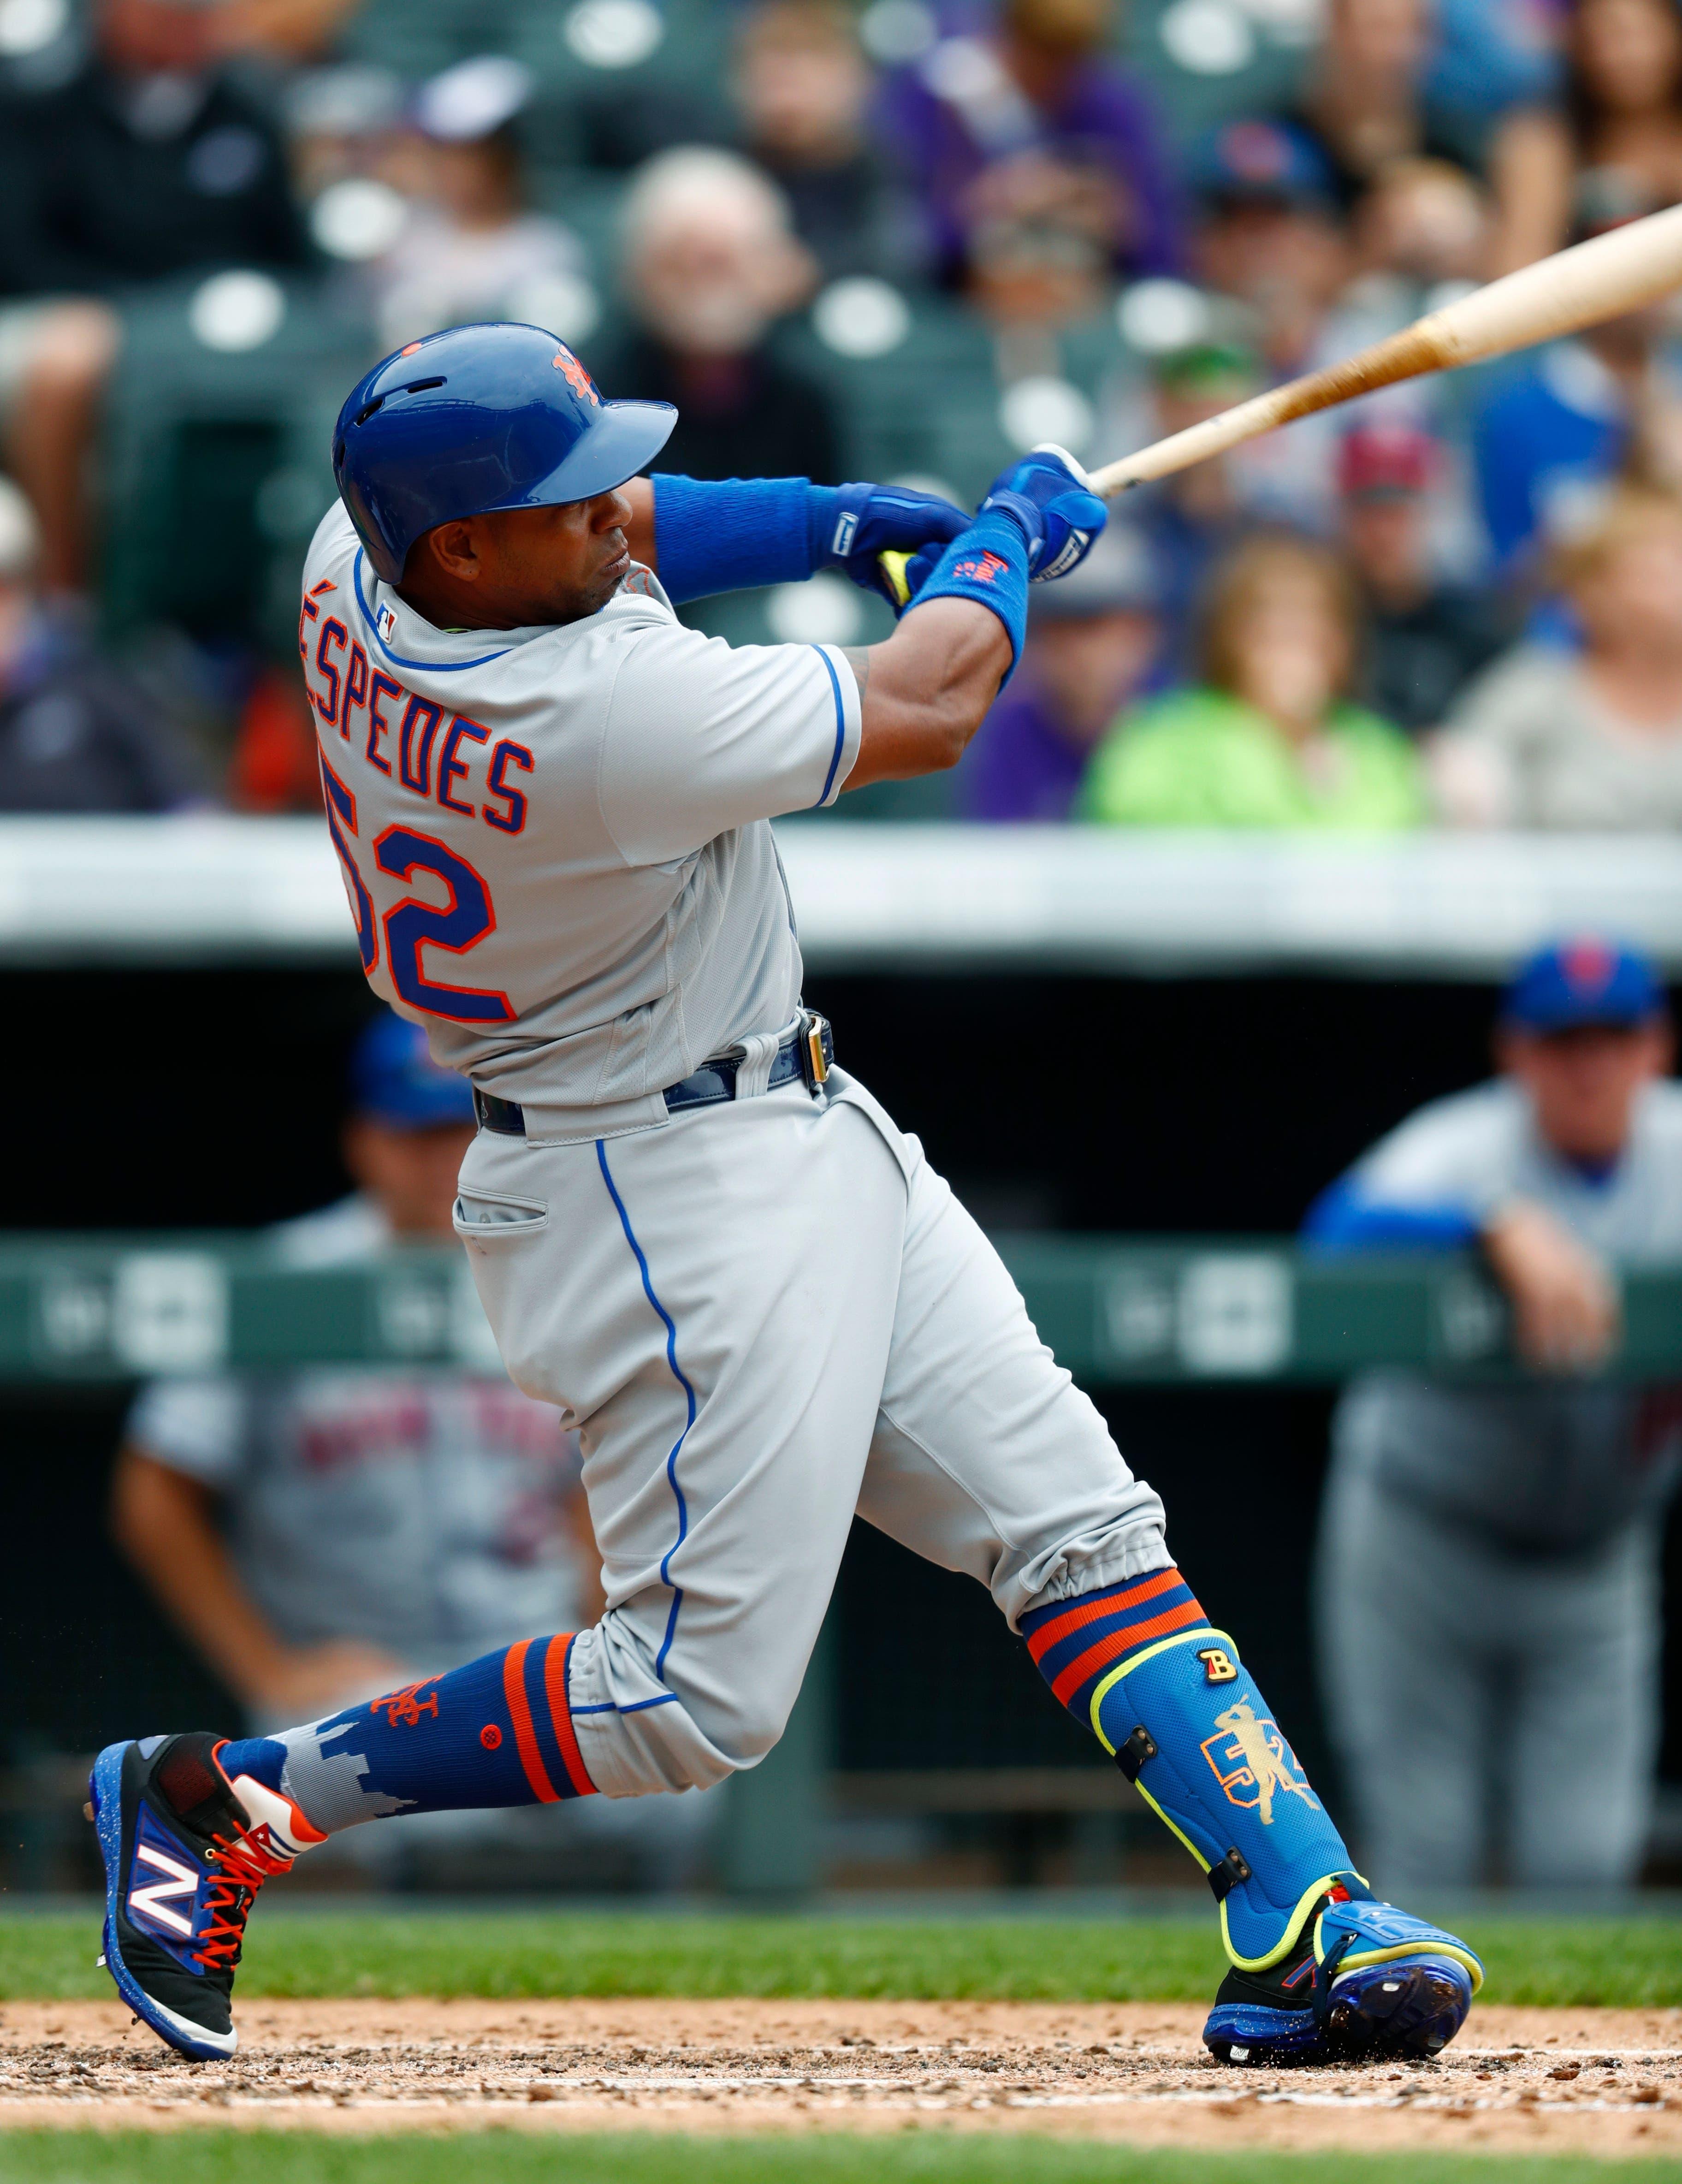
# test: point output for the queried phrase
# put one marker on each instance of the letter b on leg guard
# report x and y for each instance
(1187, 1725)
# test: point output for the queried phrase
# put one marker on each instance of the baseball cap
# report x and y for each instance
(1585, 981)
(1261, 162)
(1384, 461)
(394, 1080)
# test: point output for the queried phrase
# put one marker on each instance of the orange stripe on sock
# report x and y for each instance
(514, 1691)
(556, 1663)
(1090, 1611)
(1122, 1641)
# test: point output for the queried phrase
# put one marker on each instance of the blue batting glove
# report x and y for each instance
(1047, 494)
(852, 524)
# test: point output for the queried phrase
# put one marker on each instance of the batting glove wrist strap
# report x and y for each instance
(732, 534)
(850, 527)
(989, 563)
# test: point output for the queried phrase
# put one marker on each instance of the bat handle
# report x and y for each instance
(893, 565)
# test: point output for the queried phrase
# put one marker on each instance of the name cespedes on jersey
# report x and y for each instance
(436, 761)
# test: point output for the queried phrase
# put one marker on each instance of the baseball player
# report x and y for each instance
(692, 1231)
(1520, 1524)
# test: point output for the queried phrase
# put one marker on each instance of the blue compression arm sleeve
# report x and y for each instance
(1341, 1219)
(989, 563)
(733, 534)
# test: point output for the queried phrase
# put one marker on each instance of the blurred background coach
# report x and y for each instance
(1487, 1581)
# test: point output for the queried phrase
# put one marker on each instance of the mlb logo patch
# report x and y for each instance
(386, 620)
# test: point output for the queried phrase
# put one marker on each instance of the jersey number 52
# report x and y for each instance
(414, 923)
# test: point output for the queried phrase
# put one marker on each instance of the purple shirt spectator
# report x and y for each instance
(1020, 768)
(961, 110)
(1092, 641)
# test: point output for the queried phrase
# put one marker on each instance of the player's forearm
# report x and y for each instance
(925, 690)
(162, 1522)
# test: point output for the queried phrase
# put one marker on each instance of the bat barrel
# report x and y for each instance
(1624, 270)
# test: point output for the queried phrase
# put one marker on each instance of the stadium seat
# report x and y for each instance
(218, 464)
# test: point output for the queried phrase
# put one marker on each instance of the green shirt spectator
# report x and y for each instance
(1204, 758)
(1270, 737)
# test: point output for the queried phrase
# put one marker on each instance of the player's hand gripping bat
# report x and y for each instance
(1619, 271)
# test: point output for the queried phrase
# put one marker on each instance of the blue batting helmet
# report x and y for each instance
(475, 419)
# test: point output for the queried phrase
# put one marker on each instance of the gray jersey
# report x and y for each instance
(1552, 1466)
(555, 840)
(423, 1511)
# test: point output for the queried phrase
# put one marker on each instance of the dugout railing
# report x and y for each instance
(1238, 1312)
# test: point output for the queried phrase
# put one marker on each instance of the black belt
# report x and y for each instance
(808, 1052)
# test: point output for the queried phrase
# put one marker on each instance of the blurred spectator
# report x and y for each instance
(1421, 222)
(709, 264)
(1269, 234)
(1270, 738)
(1425, 637)
(284, 30)
(1489, 58)
(1555, 429)
(1029, 144)
(1592, 740)
(1092, 637)
(1272, 239)
(472, 247)
(1362, 106)
(803, 88)
(344, 123)
(150, 161)
(1488, 1582)
(337, 1532)
(74, 735)
(1622, 113)
(1189, 521)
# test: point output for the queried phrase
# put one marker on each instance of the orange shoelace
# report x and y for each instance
(245, 1868)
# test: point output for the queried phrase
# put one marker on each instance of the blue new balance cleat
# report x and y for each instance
(185, 1851)
(1367, 1983)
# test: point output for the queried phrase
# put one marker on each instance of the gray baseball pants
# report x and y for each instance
(762, 1317)
(1482, 1701)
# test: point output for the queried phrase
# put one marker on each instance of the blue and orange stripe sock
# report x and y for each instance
(498, 1732)
(1075, 1643)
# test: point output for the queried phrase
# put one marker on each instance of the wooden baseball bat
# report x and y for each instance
(1619, 271)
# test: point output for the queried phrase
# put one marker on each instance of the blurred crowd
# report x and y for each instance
(895, 238)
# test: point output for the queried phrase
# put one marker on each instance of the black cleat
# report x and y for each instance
(1367, 1984)
(184, 1857)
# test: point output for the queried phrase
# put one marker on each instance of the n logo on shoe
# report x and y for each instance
(154, 1901)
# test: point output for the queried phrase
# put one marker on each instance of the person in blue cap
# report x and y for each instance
(322, 1535)
(1488, 1582)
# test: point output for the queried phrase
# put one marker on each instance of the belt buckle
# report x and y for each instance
(809, 1044)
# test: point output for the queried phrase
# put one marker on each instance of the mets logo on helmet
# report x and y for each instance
(1252, 1761)
(578, 378)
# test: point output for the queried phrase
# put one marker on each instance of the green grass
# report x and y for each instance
(508, 1954)
(225, 2156)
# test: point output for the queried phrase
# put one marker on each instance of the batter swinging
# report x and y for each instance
(693, 1232)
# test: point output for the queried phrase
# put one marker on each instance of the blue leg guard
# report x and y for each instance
(1320, 1970)
(1187, 1725)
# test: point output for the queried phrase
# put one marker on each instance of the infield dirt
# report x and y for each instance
(1561, 2081)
